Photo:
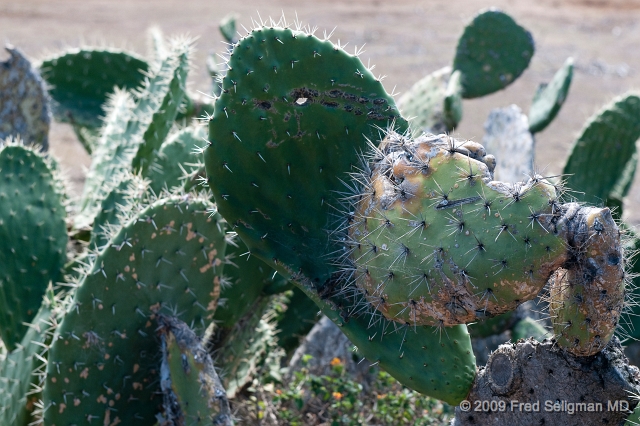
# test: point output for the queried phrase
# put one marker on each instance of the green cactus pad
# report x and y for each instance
(491, 326)
(599, 161)
(549, 98)
(287, 130)
(245, 347)
(130, 189)
(587, 298)
(17, 368)
(159, 103)
(296, 321)
(103, 365)
(193, 393)
(177, 158)
(529, 327)
(247, 279)
(25, 103)
(433, 103)
(82, 79)
(132, 132)
(228, 28)
(437, 241)
(492, 52)
(33, 237)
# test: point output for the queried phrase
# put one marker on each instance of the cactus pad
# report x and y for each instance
(549, 98)
(587, 298)
(193, 393)
(33, 237)
(507, 134)
(599, 161)
(281, 145)
(78, 94)
(176, 159)
(492, 52)
(102, 365)
(433, 103)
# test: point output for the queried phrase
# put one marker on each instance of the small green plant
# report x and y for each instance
(338, 399)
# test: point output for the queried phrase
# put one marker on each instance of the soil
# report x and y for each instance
(405, 39)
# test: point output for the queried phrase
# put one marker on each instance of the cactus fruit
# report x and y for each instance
(599, 167)
(33, 236)
(587, 298)
(434, 103)
(25, 109)
(78, 94)
(102, 361)
(507, 132)
(438, 242)
(193, 393)
(549, 98)
(492, 52)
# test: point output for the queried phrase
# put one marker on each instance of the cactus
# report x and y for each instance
(437, 241)
(434, 102)
(193, 393)
(162, 262)
(131, 135)
(324, 120)
(507, 132)
(492, 52)
(176, 158)
(82, 79)
(602, 162)
(549, 98)
(33, 236)
(26, 112)
(228, 28)
(526, 328)
(17, 368)
(245, 346)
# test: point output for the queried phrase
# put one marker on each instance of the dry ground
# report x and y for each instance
(406, 39)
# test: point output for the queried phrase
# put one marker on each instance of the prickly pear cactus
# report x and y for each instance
(549, 98)
(21, 368)
(492, 52)
(102, 363)
(312, 119)
(438, 242)
(177, 158)
(26, 112)
(193, 392)
(133, 132)
(33, 236)
(603, 159)
(434, 103)
(587, 298)
(79, 96)
(282, 171)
